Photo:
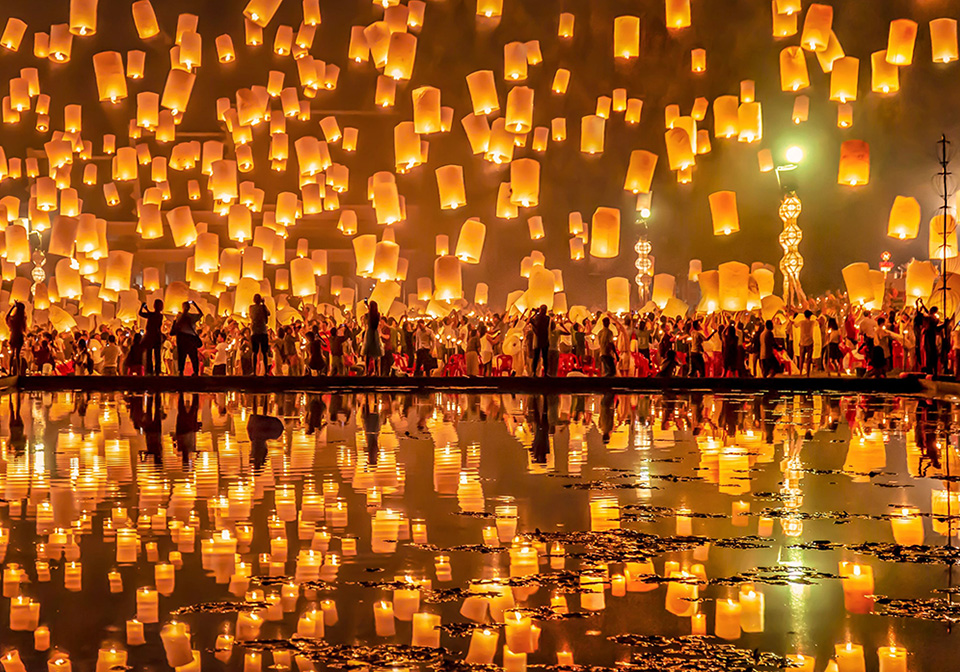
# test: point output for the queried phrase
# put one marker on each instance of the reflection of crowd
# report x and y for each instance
(835, 340)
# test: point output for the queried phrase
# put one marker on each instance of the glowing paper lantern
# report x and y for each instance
(13, 33)
(473, 233)
(793, 70)
(177, 90)
(844, 115)
(605, 233)
(750, 122)
(734, 286)
(663, 288)
(828, 56)
(451, 188)
(885, 78)
(447, 279)
(483, 92)
(921, 276)
(207, 253)
(401, 53)
(515, 61)
(900, 42)
(678, 14)
(844, 79)
(182, 227)
(763, 277)
(726, 117)
(592, 134)
(723, 210)
(680, 153)
(525, 183)
(618, 295)
(640, 171)
(943, 40)
(817, 27)
(698, 60)
(426, 110)
(854, 163)
(68, 280)
(904, 221)
(626, 37)
(859, 284)
(386, 257)
(765, 159)
(801, 109)
(261, 12)
(118, 271)
(519, 110)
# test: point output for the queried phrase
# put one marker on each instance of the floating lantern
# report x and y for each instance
(793, 70)
(904, 221)
(734, 286)
(640, 171)
(605, 233)
(451, 188)
(525, 183)
(386, 257)
(726, 117)
(447, 279)
(680, 153)
(844, 115)
(515, 61)
(592, 134)
(470, 241)
(698, 60)
(900, 42)
(765, 159)
(626, 37)
(854, 163)
(618, 295)
(801, 109)
(13, 33)
(920, 278)
(111, 81)
(519, 110)
(261, 12)
(723, 210)
(817, 27)
(426, 110)
(182, 227)
(844, 79)
(943, 40)
(859, 284)
(750, 122)
(401, 54)
(678, 14)
(177, 90)
(483, 92)
(784, 24)
(885, 78)
(118, 270)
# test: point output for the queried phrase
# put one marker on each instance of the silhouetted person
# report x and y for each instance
(540, 323)
(153, 337)
(17, 324)
(188, 342)
(259, 337)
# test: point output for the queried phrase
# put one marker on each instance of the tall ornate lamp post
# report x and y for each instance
(643, 248)
(792, 235)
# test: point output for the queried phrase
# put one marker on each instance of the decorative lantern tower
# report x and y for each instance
(790, 238)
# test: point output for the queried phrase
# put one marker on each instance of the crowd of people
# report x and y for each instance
(835, 340)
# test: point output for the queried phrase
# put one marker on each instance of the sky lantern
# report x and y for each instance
(793, 70)
(921, 278)
(207, 253)
(61, 43)
(358, 50)
(723, 210)
(678, 14)
(901, 41)
(633, 111)
(565, 29)
(489, 8)
(816, 27)
(451, 188)
(473, 233)
(515, 61)
(801, 109)
(182, 226)
(591, 134)
(884, 78)
(626, 37)
(401, 54)
(478, 132)
(854, 163)
(748, 91)
(787, 6)
(784, 25)
(670, 115)
(750, 121)
(83, 17)
(680, 152)
(605, 233)
(943, 40)
(426, 110)
(535, 227)
(386, 203)
(519, 110)
(13, 33)
(541, 137)
(386, 92)
(386, 257)
(119, 268)
(407, 147)
(698, 60)
(145, 19)
(483, 92)
(447, 279)
(734, 286)
(860, 290)
(640, 171)
(525, 183)
(726, 117)
(904, 221)
(689, 125)
(844, 79)
(261, 12)
(618, 295)
(68, 280)
(177, 90)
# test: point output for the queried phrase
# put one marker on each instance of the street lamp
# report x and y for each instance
(790, 238)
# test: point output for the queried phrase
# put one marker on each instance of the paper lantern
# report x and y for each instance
(784, 25)
(921, 276)
(252, 258)
(900, 42)
(426, 110)
(854, 163)
(605, 233)
(904, 221)
(663, 288)
(765, 159)
(519, 110)
(844, 115)
(447, 279)
(68, 280)
(829, 56)
(750, 121)
(884, 78)
(723, 210)
(763, 277)
(640, 171)
(565, 29)
(943, 40)
(303, 279)
(261, 12)
(860, 288)
(442, 244)
(678, 14)
(698, 60)
(734, 286)
(817, 27)
(793, 70)
(483, 92)
(801, 109)
(592, 134)
(726, 117)
(364, 252)
(540, 288)
(844, 79)
(515, 61)
(505, 209)
(151, 279)
(401, 53)
(618, 295)
(46, 194)
(473, 232)
(63, 237)
(386, 257)
(13, 33)
(386, 202)
(626, 37)
(525, 183)
(177, 90)
(111, 80)
(679, 149)
(207, 253)
(182, 227)
(561, 80)
(231, 267)
(450, 185)
(604, 104)
(489, 8)
(119, 269)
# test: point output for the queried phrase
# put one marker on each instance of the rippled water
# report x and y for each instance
(282, 511)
